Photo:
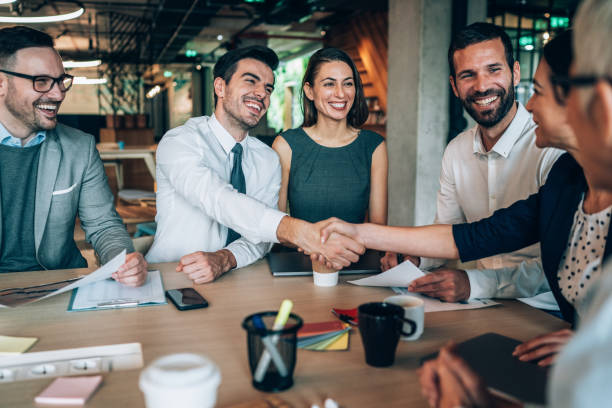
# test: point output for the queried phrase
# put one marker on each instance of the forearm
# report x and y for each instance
(295, 232)
(434, 241)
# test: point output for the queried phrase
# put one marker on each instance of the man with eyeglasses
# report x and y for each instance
(49, 172)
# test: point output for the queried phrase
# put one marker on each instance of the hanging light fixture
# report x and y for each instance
(82, 64)
(79, 10)
(89, 81)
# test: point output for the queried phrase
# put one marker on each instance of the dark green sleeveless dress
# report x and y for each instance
(330, 181)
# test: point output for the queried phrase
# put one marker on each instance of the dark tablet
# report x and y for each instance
(490, 355)
(298, 264)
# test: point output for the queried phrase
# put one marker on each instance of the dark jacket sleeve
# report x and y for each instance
(507, 230)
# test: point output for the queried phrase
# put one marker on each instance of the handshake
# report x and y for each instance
(332, 241)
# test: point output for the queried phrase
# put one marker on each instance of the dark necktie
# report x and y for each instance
(237, 180)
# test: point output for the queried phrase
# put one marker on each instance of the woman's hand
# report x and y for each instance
(545, 347)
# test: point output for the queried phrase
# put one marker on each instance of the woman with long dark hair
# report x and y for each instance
(330, 167)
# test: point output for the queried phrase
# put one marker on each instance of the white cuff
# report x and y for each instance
(428, 264)
(269, 224)
(482, 285)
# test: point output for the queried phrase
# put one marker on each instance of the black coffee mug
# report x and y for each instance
(380, 325)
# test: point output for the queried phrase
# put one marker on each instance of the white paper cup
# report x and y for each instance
(324, 276)
(180, 380)
(414, 309)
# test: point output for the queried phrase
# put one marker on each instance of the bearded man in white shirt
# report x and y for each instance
(488, 167)
(217, 187)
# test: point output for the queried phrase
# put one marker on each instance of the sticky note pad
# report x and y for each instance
(15, 345)
(69, 390)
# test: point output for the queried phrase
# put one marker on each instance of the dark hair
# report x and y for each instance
(359, 111)
(477, 33)
(228, 63)
(559, 55)
(13, 39)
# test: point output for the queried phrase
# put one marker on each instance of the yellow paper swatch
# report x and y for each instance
(15, 345)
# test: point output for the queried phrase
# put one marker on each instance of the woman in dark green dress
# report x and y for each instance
(330, 167)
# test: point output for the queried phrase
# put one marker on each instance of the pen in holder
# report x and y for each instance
(272, 352)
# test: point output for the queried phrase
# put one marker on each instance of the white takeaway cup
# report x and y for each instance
(180, 380)
(414, 309)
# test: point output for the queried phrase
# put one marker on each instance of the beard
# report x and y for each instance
(27, 114)
(492, 117)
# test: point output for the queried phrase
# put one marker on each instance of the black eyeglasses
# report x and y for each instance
(562, 84)
(44, 83)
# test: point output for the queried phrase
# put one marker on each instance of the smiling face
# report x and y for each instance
(484, 82)
(332, 91)
(244, 100)
(551, 117)
(25, 111)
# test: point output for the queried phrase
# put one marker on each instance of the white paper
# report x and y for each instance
(399, 275)
(89, 296)
(436, 305)
(104, 272)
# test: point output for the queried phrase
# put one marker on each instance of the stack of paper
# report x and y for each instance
(324, 336)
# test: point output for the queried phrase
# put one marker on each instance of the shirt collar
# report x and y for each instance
(512, 133)
(227, 141)
(7, 139)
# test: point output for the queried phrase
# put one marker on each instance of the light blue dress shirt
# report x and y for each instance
(6, 139)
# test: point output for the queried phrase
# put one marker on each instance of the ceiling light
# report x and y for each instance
(42, 19)
(529, 47)
(220, 37)
(153, 91)
(89, 81)
(82, 64)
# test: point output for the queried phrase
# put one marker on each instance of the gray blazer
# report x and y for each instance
(71, 180)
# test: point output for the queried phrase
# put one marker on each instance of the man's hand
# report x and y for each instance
(547, 346)
(331, 225)
(133, 272)
(449, 285)
(449, 382)
(391, 259)
(203, 267)
(338, 250)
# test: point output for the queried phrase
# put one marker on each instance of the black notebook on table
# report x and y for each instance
(298, 264)
(490, 355)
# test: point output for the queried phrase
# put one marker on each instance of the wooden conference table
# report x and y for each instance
(217, 333)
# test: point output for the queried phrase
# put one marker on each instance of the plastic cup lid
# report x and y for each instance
(181, 370)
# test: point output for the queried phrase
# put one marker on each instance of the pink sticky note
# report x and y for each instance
(69, 390)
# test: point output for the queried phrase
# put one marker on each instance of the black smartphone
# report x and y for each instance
(186, 299)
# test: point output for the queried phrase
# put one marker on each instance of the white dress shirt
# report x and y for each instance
(581, 374)
(475, 183)
(196, 202)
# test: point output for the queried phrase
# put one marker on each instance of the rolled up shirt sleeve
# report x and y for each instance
(526, 279)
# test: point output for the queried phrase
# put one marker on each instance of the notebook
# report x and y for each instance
(490, 355)
(69, 390)
(298, 264)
